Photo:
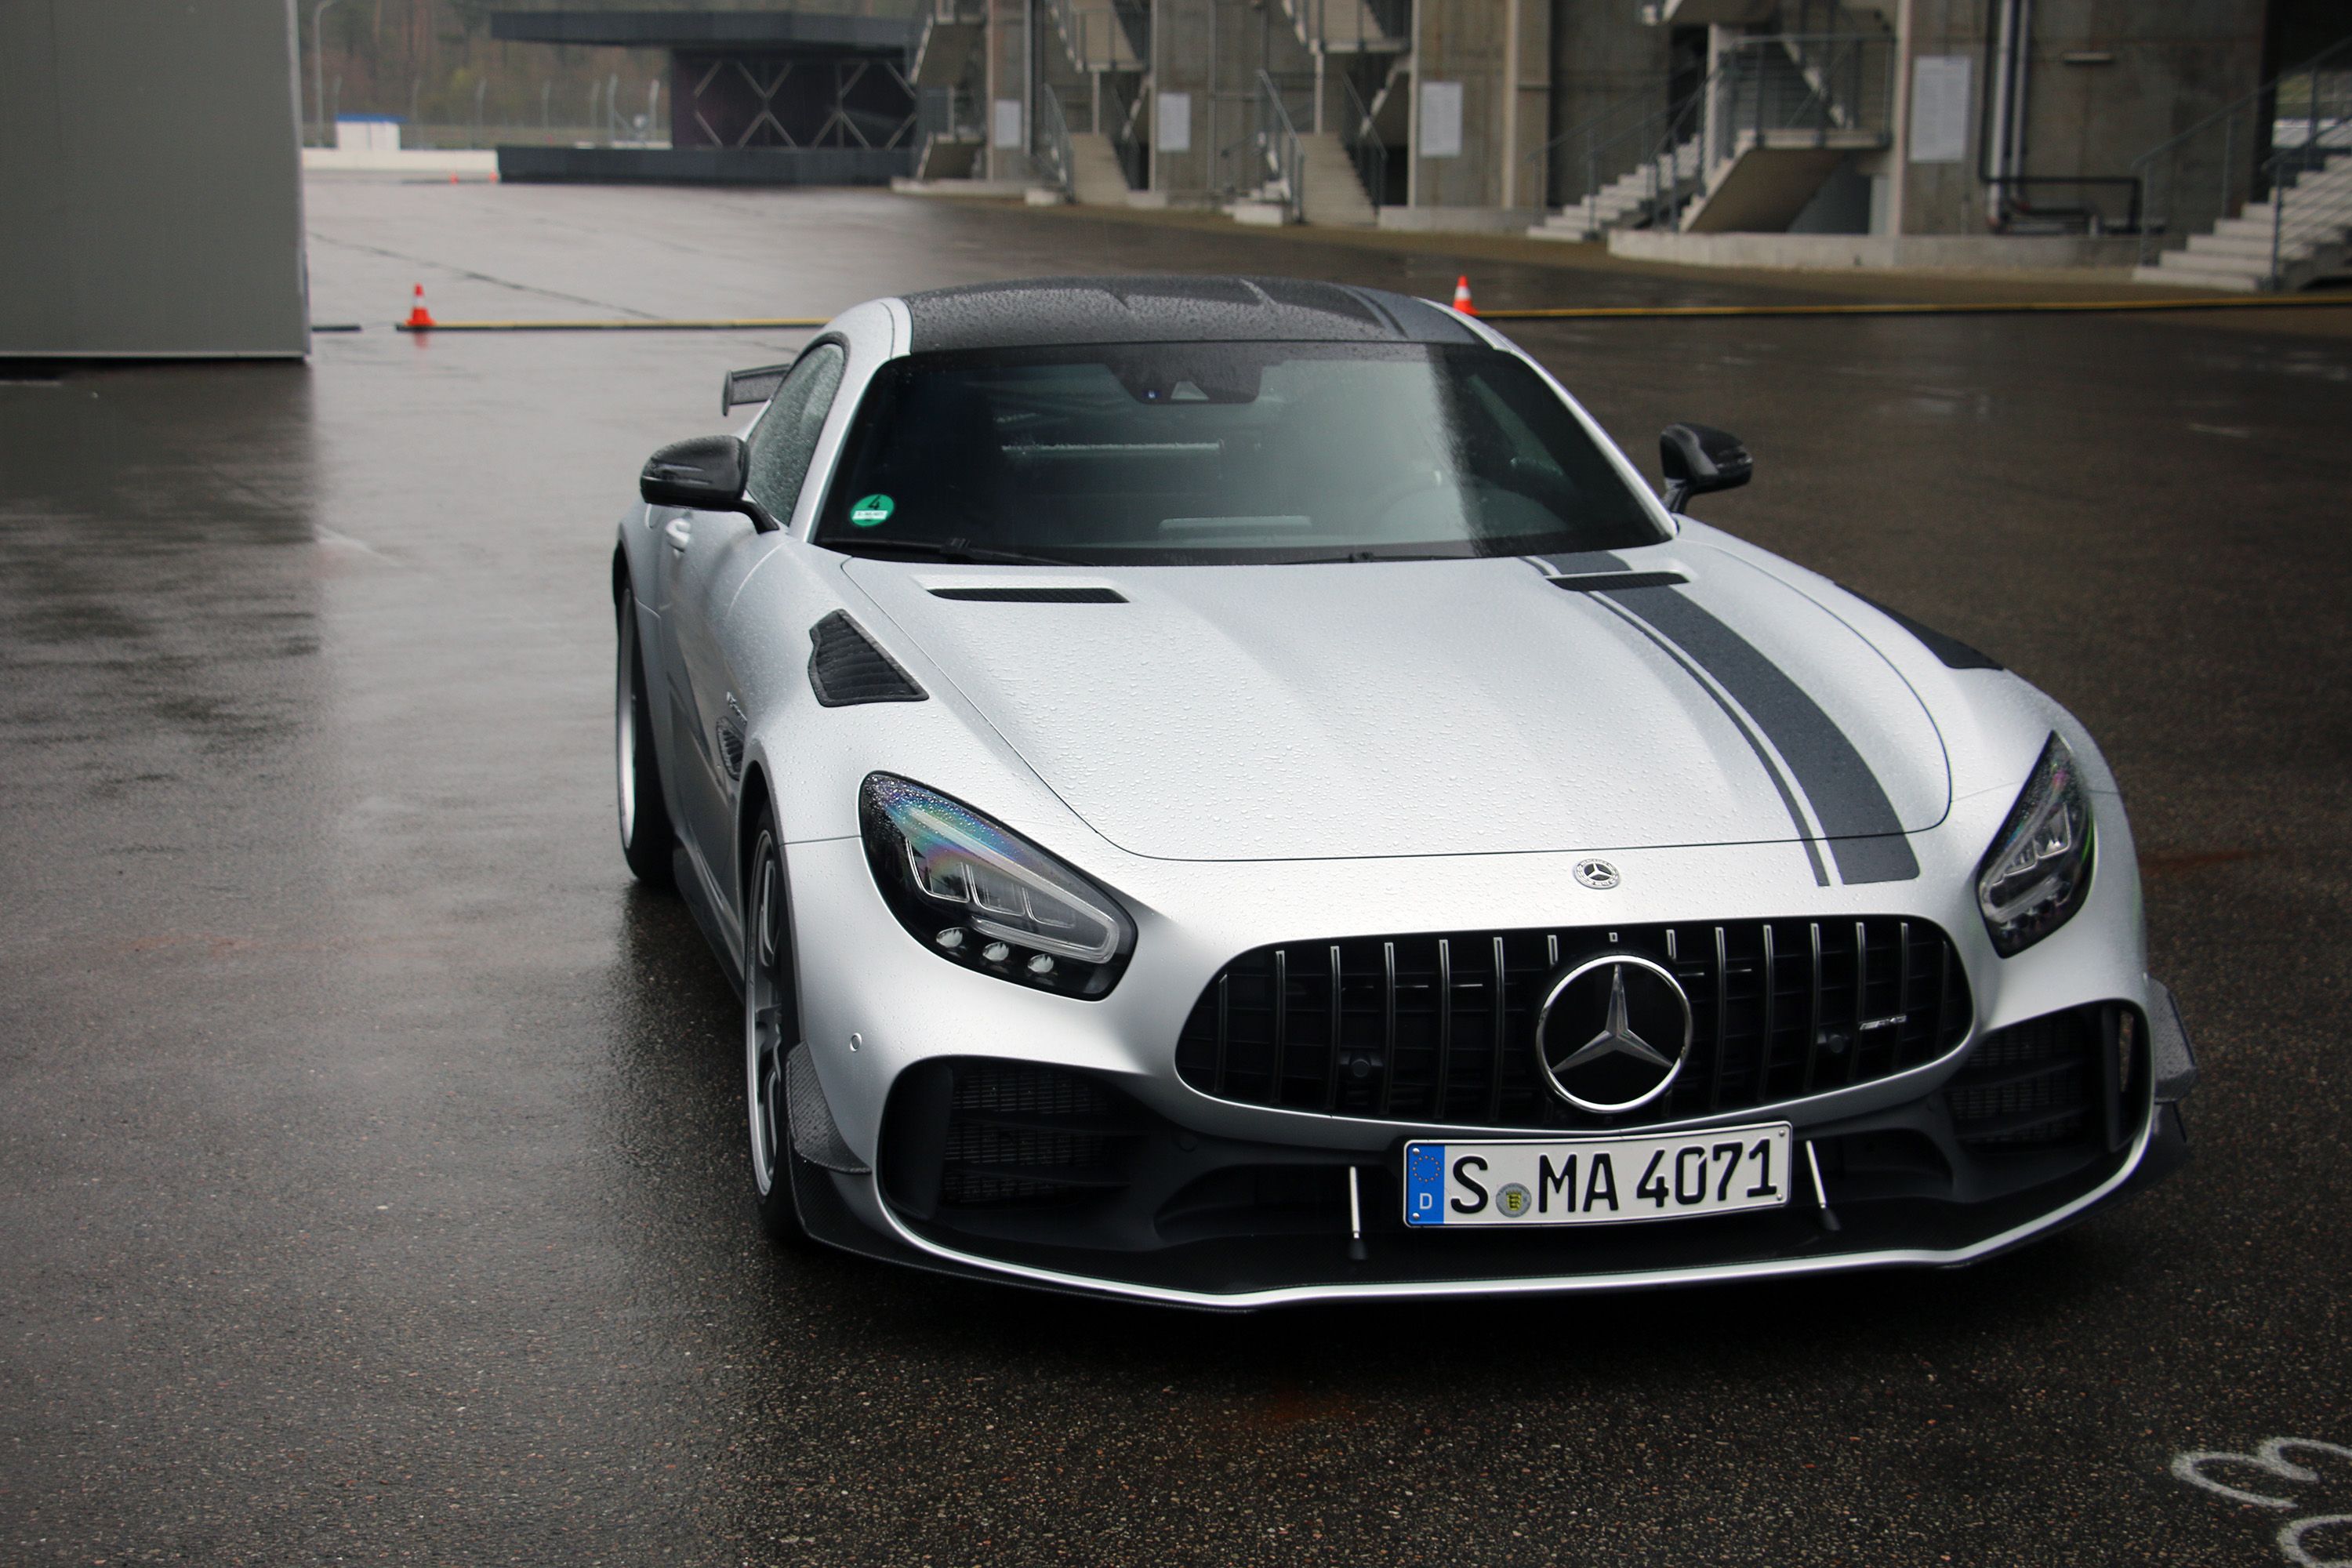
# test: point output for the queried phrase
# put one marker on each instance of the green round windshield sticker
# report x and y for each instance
(872, 509)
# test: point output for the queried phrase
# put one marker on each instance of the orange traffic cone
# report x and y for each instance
(453, 176)
(420, 320)
(1462, 296)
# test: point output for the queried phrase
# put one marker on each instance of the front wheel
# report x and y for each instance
(646, 834)
(771, 1029)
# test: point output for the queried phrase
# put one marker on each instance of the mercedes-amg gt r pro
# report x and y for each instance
(1234, 791)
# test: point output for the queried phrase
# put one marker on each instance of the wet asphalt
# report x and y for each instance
(371, 1159)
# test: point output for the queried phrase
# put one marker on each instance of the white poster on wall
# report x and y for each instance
(1441, 119)
(1939, 109)
(1175, 123)
(1008, 123)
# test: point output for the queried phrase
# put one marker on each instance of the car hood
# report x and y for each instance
(1435, 708)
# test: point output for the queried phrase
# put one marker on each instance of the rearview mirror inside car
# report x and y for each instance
(1697, 458)
(705, 474)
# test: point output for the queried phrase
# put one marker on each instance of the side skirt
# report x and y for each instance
(688, 876)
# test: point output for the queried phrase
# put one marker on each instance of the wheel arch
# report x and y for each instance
(754, 795)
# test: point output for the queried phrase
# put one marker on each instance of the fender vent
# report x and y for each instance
(845, 668)
(1032, 595)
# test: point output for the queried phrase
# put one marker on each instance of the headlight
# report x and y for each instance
(983, 897)
(2033, 878)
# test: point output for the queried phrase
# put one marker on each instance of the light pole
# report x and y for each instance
(318, 65)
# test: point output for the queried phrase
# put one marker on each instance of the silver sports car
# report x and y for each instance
(1234, 791)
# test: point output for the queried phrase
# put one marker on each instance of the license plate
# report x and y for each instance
(1597, 1181)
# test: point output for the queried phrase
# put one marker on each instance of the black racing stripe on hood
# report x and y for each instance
(1763, 758)
(1865, 831)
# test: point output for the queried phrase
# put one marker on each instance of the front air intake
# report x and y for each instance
(1441, 1028)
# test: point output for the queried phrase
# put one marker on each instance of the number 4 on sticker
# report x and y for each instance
(873, 510)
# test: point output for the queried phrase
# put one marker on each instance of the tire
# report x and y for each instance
(771, 1029)
(646, 838)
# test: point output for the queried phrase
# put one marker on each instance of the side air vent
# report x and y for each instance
(845, 668)
(1611, 582)
(1032, 595)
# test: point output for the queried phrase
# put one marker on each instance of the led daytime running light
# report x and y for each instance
(990, 881)
(2038, 870)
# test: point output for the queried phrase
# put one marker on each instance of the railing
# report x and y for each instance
(1268, 154)
(2318, 221)
(951, 113)
(1786, 86)
(1606, 146)
(1116, 118)
(1093, 32)
(2201, 176)
(1364, 145)
(1284, 156)
(1053, 149)
(1775, 90)
(1391, 22)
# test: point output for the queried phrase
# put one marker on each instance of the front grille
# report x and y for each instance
(2030, 1087)
(1028, 1136)
(1441, 1028)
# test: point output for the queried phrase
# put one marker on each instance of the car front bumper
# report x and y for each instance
(1201, 1201)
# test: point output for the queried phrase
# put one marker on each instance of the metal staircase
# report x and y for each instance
(1774, 115)
(1096, 157)
(1351, 26)
(2301, 231)
(2300, 234)
(947, 106)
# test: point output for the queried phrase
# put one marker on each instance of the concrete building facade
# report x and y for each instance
(2031, 131)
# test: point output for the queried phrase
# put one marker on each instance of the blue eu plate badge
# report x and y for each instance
(1424, 1184)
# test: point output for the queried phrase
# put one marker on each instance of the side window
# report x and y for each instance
(784, 440)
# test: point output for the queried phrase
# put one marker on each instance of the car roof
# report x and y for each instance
(1152, 309)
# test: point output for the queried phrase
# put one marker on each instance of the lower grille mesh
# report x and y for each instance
(1441, 1028)
(2030, 1087)
(1025, 1135)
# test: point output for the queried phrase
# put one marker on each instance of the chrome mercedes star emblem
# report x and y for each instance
(1641, 1045)
(1598, 875)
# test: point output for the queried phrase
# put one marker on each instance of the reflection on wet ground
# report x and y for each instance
(371, 1147)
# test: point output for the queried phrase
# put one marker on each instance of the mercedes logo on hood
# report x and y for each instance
(1613, 1033)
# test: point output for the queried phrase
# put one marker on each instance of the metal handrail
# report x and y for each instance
(2144, 167)
(1127, 19)
(1311, 19)
(1364, 144)
(1118, 124)
(1284, 154)
(2314, 223)
(1840, 84)
(2309, 67)
(1055, 152)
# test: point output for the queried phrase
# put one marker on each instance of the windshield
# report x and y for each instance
(1177, 454)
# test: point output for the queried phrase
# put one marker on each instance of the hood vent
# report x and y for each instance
(1032, 595)
(1610, 581)
(845, 668)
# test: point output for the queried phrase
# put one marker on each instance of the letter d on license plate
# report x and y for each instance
(1597, 1181)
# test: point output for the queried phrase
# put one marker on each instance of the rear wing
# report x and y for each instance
(743, 386)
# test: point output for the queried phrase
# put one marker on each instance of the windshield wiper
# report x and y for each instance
(943, 550)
